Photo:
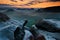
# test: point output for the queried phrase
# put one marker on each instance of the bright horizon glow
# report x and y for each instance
(37, 5)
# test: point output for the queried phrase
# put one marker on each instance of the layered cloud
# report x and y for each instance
(31, 3)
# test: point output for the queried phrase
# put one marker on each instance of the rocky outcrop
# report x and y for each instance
(47, 26)
(3, 17)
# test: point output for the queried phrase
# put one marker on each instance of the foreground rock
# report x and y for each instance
(47, 26)
(36, 34)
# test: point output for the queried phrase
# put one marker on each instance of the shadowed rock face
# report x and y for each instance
(47, 26)
(3, 17)
(20, 31)
(36, 34)
(19, 34)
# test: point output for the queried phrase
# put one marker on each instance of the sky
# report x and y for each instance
(30, 3)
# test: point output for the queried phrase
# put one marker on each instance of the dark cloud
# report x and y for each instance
(14, 0)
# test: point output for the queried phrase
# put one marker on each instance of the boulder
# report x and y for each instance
(3, 17)
(47, 26)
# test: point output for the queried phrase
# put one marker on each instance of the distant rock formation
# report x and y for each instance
(50, 9)
(53, 9)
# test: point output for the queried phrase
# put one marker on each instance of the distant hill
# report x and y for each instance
(53, 9)
(50, 9)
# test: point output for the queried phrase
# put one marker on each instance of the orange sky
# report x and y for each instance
(37, 5)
